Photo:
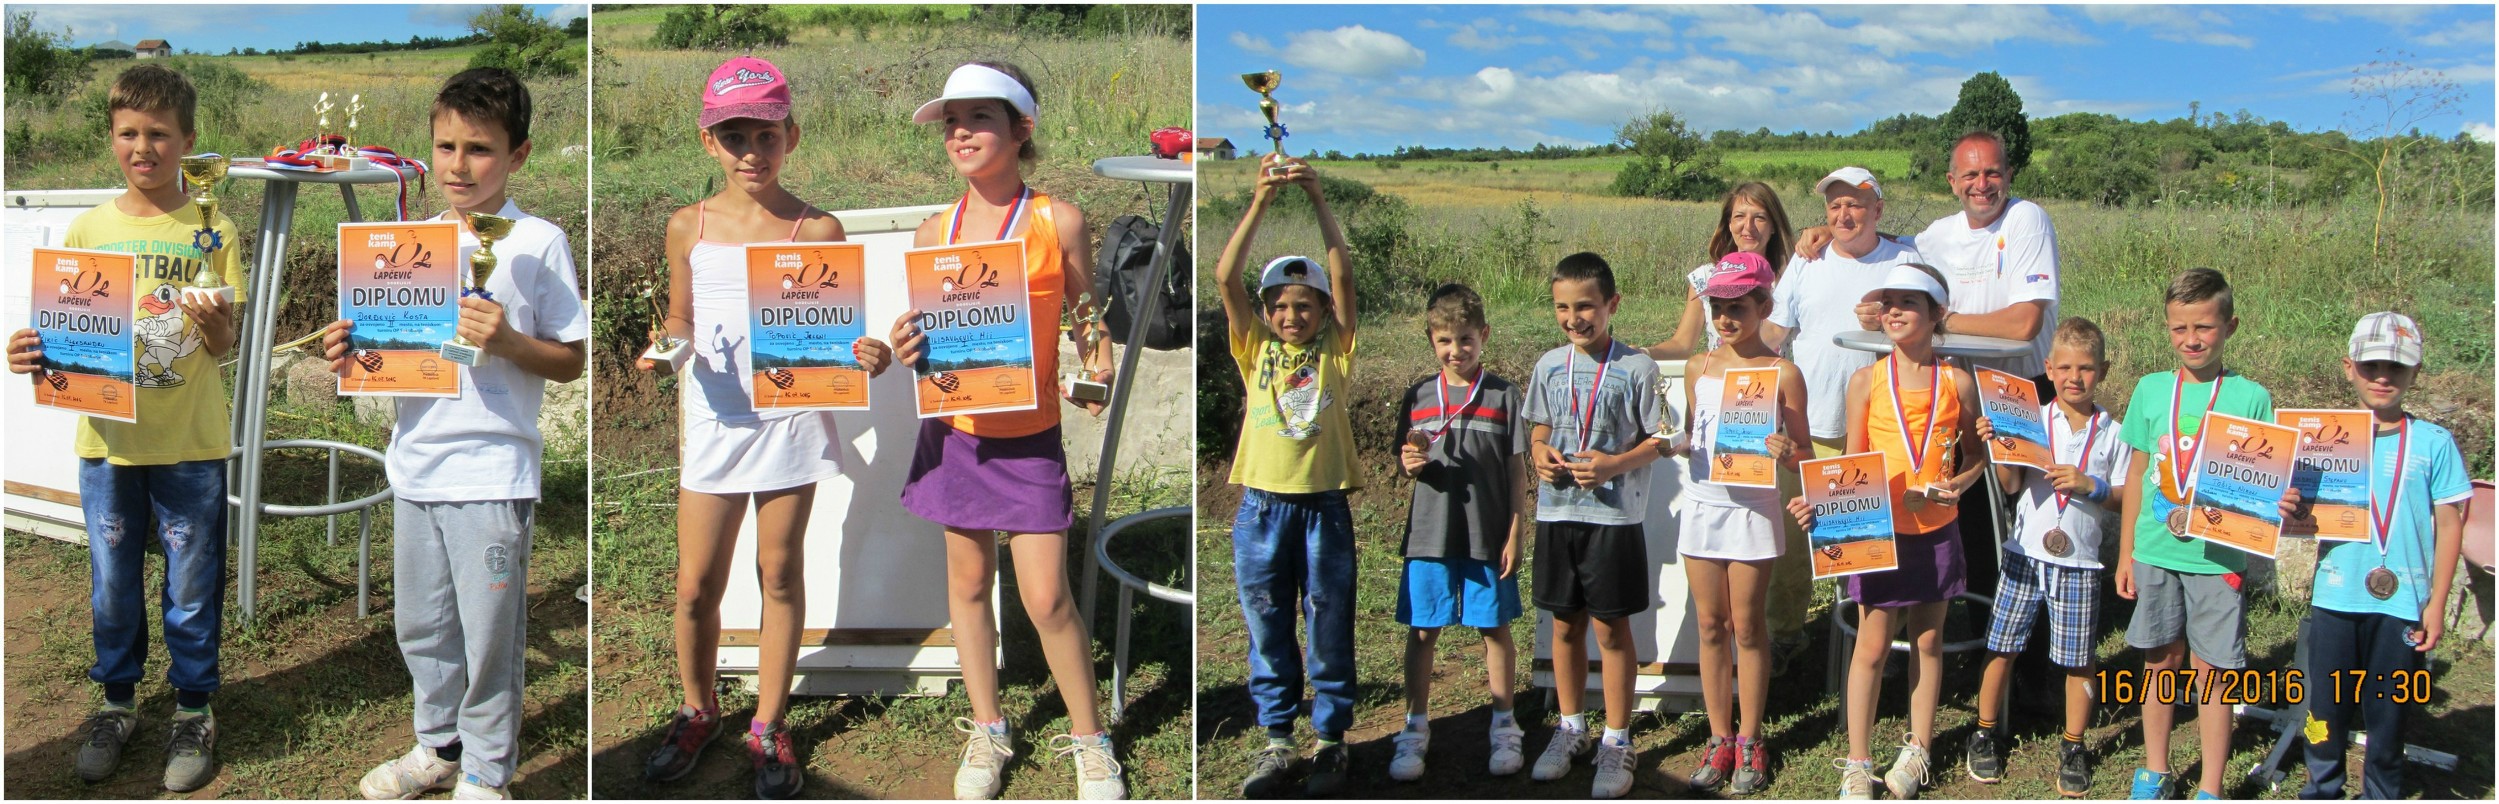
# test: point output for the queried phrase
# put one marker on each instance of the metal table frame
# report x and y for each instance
(1180, 178)
(251, 408)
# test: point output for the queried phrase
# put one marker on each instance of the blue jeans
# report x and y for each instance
(183, 505)
(1287, 549)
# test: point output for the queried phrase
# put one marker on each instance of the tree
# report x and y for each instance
(2394, 98)
(521, 41)
(41, 62)
(1988, 103)
(1668, 159)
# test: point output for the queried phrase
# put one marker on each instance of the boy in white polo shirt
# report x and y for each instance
(2055, 561)
(465, 469)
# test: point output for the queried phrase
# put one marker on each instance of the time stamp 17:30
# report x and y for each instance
(2186, 686)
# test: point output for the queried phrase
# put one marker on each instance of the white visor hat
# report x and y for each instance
(973, 81)
(1904, 277)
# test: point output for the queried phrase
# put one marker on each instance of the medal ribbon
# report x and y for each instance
(2384, 536)
(2179, 457)
(1934, 385)
(1587, 418)
(1448, 419)
(2080, 463)
(954, 226)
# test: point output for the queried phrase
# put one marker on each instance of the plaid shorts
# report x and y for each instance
(2072, 597)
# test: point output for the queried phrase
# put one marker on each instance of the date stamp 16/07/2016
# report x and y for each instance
(2190, 686)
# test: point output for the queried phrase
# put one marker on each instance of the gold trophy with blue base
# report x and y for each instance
(1265, 85)
(489, 228)
(203, 172)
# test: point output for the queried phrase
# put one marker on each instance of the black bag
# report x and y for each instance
(1120, 273)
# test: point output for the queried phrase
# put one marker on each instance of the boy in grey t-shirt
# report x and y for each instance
(1460, 443)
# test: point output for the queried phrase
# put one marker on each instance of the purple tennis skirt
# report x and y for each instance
(967, 482)
(1930, 571)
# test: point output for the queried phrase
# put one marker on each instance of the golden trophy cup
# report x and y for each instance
(489, 228)
(1080, 384)
(666, 350)
(1265, 85)
(203, 172)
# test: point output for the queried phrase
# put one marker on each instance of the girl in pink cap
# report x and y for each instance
(730, 452)
(1013, 462)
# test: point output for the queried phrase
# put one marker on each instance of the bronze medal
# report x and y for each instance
(1913, 499)
(2178, 522)
(2058, 544)
(2382, 583)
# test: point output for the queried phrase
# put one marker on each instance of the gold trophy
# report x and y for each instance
(1265, 85)
(1080, 384)
(489, 228)
(203, 172)
(666, 350)
(1668, 427)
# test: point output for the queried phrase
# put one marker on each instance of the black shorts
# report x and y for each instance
(1601, 569)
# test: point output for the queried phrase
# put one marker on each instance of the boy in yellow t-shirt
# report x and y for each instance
(1293, 539)
(163, 476)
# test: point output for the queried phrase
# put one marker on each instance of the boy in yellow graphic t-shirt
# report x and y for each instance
(162, 477)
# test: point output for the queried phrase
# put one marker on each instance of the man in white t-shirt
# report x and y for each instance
(1817, 299)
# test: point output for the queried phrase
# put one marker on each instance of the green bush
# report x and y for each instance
(524, 43)
(722, 27)
(41, 63)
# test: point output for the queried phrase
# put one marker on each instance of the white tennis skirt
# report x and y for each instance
(1728, 532)
(766, 455)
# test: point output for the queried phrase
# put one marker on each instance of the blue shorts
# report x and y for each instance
(1441, 592)
(2072, 597)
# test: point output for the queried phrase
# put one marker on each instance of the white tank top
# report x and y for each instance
(714, 386)
(1696, 485)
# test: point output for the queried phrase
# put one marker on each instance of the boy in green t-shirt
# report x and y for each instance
(2186, 589)
(1293, 540)
(163, 477)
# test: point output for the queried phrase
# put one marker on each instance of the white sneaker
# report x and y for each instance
(1856, 781)
(1567, 745)
(1614, 762)
(409, 775)
(1097, 771)
(1908, 770)
(1508, 749)
(1407, 766)
(984, 765)
(470, 790)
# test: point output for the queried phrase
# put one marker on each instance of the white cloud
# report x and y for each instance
(2172, 23)
(1487, 36)
(560, 16)
(443, 14)
(1252, 44)
(1352, 50)
(1796, 34)
(1634, 21)
(2480, 132)
(2397, 16)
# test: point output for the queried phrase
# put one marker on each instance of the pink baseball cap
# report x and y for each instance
(745, 87)
(1738, 274)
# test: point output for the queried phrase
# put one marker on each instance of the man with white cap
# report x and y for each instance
(1817, 299)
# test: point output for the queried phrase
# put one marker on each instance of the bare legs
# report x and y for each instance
(1875, 629)
(707, 528)
(1041, 575)
(1729, 601)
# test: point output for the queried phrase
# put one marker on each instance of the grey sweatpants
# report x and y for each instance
(461, 578)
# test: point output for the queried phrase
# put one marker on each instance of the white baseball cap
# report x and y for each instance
(1857, 177)
(973, 81)
(2386, 336)
(1293, 270)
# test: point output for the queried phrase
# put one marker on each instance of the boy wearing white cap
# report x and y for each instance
(2377, 605)
(1293, 539)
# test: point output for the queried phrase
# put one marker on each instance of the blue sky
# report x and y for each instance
(216, 29)
(1371, 78)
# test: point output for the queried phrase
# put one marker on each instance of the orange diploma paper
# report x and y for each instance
(1748, 412)
(399, 283)
(975, 309)
(2242, 470)
(84, 312)
(1852, 507)
(804, 305)
(2332, 471)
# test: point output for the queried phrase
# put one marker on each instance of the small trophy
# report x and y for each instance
(1265, 85)
(1668, 427)
(355, 106)
(1080, 386)
(489, 228)
(203, 172)
(667, 350)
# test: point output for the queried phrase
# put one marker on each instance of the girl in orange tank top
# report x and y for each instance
(985, 474)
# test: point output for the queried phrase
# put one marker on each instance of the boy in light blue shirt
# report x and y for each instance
(2377, 604)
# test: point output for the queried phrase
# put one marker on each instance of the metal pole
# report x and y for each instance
(1123, 384)
(332, 499)
(252, 391)
(364, 562)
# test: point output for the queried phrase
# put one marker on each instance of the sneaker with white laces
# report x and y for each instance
(1856, 779)
(1407, 766)
(1097, 769)
(409, 775)
(1269, 768)
(471, 788)
(191, 751)
(101, 739)
(1568, 743)
(1908, 770)
(1509, 749)
(1614, 761)
(985, 756)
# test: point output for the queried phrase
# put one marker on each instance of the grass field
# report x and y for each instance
(313, 696)
(855, 90)
(2302, 276)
